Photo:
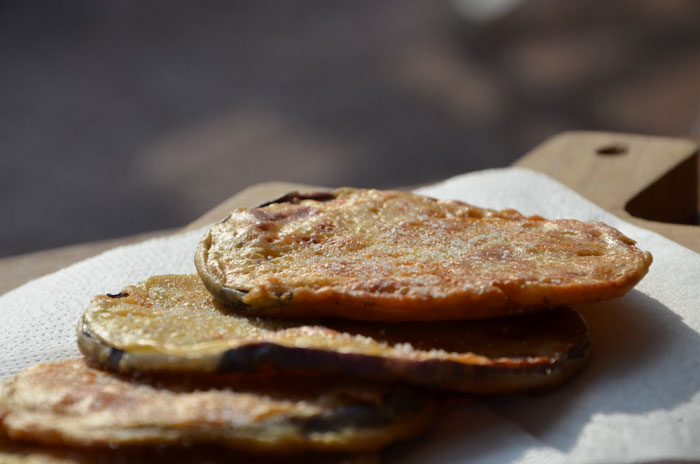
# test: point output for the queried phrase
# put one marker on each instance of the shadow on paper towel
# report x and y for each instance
(642, 365)
(641, 351)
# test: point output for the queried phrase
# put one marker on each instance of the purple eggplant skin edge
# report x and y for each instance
(232, 298)
(295, 197)
(500, 377)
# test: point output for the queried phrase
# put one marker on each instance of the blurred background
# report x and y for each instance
(127, 116)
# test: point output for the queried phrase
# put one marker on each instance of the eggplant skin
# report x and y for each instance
(229, 296)
(15, 452)
(503, 377)
(295, 197)
(395, 256)
(71, 403)
(171, 323)
(500, 378)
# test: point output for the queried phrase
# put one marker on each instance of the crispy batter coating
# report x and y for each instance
(397, 256)
(172, 323)
(70, 403)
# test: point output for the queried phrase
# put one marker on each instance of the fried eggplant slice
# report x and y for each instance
(72, 404)
(171, 323)
(396, 256)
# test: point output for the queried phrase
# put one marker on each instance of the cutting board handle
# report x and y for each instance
(646, 180)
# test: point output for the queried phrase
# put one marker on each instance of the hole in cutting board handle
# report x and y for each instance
(612, 149)
(673, 198)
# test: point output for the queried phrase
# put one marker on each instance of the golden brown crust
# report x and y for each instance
(172, 323)
(70, 403)
(396, 256)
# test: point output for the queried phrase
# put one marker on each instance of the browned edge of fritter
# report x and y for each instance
(501, 376)
(227, 296)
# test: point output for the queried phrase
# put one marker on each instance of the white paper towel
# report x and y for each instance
(637, 401)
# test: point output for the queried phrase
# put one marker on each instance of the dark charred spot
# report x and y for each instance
(115, 357)
(296, 197)
(118, 295)
(400, 403)
(266, 220)
(224, 219)
(585, 253)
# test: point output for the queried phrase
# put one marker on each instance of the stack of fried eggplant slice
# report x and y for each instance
(321, 323)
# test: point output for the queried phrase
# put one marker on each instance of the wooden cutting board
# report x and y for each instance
(649, 181)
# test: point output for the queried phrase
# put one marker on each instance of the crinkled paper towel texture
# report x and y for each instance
(637, 401)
